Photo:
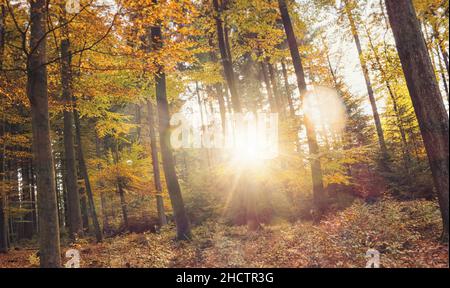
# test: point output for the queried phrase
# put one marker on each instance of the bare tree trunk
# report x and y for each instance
(3, 215)
(27, 191)
(425, 95)
(85, 176)
(365, 71)
(226, 60)
(440, 44)
(120, 184)
(71, 177)
(49, 240)
(2, 34)
(181, 219)
(84, 209)
(316, 169)
(155, 164)
(106, 226)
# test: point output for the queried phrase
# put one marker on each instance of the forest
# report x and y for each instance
(224, 133)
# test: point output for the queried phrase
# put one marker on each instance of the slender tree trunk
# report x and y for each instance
(84, 209)
(123, 203)
(399, 120)
(49, 240)
(2, 33)
(33, 200)
(316, 169)
(219, 93)
(286, 87)
(3, 199)
(85, 176)
(365, 71)
(99, 155)
(425, 95)
(71, 177)
(120, 184)
(442, 72)
(155, 164)
(27, 191)
(3, 215)
(440, 44)
(276, 93)
(226, 60)
(269, 90)
(181, 219)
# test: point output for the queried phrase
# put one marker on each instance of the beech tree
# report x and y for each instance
(425, 95)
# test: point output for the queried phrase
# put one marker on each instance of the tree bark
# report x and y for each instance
(49, 241)
(85, 176)
(181, 219)
(426, 97)
(71, 177)
(365, 70)
(2, 34)
(27, 191)
(3, 215)
(316, 169)
(155, 164)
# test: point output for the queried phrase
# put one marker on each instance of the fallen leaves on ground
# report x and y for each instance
(405, 233)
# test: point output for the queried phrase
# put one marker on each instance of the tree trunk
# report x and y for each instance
(365, 71)
(425, 95)
(50, 256)
(2, 33)
(85, 176)
(226, 60)
(84, 209)
(120, 184)
(155, 163)
(288, 91)
(3, 216)
(399, 120)
(181, 219)
(219, 93)
(71, 177)
(276, 93)
(106, 226)
(316, 169)
(269, 90)
(441, 46)
(27, 194)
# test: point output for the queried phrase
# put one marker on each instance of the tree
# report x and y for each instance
(181, 219)
(365, 70)
(226, 58)
(3, 216)
(71, 177)
(155, 165)
(316, 169)
(49, 241)
(85, 176)
(425, 95)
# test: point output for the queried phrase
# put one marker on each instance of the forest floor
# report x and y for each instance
(405, 234)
